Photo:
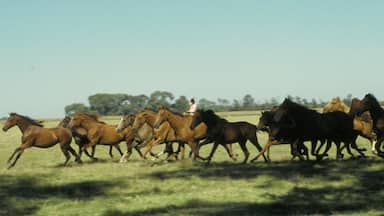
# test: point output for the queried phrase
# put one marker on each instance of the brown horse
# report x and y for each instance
(183, 133)
(34, 134)
(143, 122)
(99, 132)
(363, 124)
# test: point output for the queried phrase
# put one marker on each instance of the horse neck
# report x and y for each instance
(88, 124)
(376, 112)
(150, 119)
(23, 125)
(179, 122)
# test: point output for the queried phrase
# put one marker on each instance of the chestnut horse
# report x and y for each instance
(99, 132)
(141, 136)
(80, 136)
(35, 135)
(146, 118)
(180, 125)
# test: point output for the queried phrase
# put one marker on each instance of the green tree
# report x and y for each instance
(348, 100)
(76, 107)
(159, 98)
(248, 102)
(107, 104)
(181, 104)
(133, 104)
(206, 104)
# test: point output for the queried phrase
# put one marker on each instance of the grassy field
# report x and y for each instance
(39, 185)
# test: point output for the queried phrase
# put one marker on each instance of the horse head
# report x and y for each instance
(368, 103)
(196, 119)
(11, 121)
(162, 116)
(125, 121)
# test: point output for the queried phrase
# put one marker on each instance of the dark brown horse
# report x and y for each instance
(370, 103)
(35, 135)
(220, 131)
(265, 124)
(362, 124)
(180, 124)
(99, 132)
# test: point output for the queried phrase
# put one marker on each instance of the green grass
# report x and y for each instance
(39, 185)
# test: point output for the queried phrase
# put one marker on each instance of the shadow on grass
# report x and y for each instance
(330, 170)
(24, 195)
(365, 194)
(362, 197)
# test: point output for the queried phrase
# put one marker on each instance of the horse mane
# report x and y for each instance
(91, 117)
(211, 116)
(29, 119)
(171, 111)
(290, 105)
(373, 99)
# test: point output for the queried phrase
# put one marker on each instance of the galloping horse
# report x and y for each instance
(99, 132)
(34, 134)
(141, 136)
(362, 124)
(163, 134)
(265, 124)
(370, 103)
(80, 136)
(180, 125)
(220, 131)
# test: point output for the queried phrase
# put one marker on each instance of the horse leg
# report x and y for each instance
(266, 147)
(378, 146)
(245, 151)
(13, 154)
(110, 151)
(339, 155)
(124, 158)
(325, 153)
(212, 152)
(228, 148)
(256, 143)
(93, 151)
(66, 154)
(19, 152)
(117, 146)
(89, 155)
(73, 152)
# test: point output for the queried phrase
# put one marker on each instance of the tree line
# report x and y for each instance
(119, 104)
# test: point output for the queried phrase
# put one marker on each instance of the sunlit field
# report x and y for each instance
(40, 185)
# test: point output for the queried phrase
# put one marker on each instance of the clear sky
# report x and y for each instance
(54, 53)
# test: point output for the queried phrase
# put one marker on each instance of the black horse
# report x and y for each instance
(276, 136)
(220, 131)
(305, 124)
(370, 103)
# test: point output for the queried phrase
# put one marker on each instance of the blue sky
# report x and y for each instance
(54, 53)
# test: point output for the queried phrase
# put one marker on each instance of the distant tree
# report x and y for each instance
(133, 104)
(206, 104)
(313, 103)
(348, 99)
(181, 104)
(160, 98)
(107, 104)
(248, 102)
(236, 105)
(76, 107)
(223, 105)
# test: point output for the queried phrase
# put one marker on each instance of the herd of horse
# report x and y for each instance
(289, 123)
